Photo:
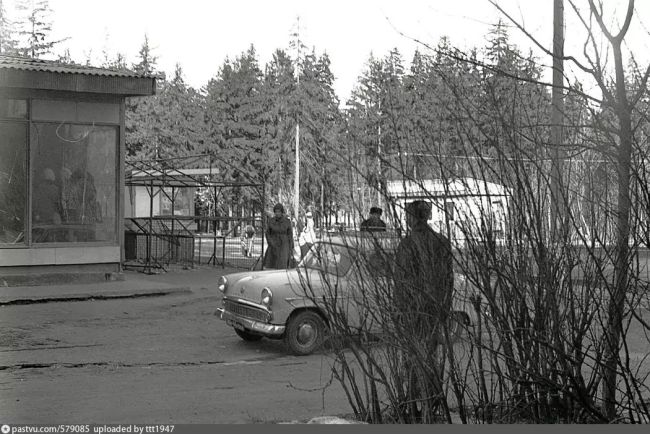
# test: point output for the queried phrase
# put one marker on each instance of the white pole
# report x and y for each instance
(296, 198)
(296, 185)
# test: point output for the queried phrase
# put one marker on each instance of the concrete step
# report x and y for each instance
(60, 278)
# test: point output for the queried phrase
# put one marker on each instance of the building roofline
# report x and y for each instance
(27, 73)
(458, 187)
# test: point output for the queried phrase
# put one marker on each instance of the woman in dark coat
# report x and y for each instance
(279, 236)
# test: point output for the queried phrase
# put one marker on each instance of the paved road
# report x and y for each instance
(164, 359)
(161, 360)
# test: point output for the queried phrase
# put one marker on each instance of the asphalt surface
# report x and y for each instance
(139, 285)
(134, 285)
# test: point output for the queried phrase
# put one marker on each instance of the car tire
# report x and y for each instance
(248, 336)
(305, 333)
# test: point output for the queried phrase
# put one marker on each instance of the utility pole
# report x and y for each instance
(558, 206)
(296, 185)
(379, 158)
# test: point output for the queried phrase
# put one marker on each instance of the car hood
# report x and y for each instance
(283, 283)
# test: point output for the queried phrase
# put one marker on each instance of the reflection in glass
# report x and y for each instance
(13, 182)
(74, 193)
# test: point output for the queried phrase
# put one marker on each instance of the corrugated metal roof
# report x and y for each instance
(37, 74)
(29, 64)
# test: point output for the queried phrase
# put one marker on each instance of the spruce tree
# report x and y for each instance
(8, 42)
(179, 110)
(142, 124)
(235, 118)
(146, 60)
(36, 28)
(376, 118)
(146, 129)
(278, 92)
(66, 57)
(320, 122)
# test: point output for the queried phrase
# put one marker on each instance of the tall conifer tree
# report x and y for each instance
(8, 42)
(36, 28)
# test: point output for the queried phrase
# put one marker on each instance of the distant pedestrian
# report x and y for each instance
(296, 228)
(247, 241)
(307, 236)
(374, 223)
(279, 235)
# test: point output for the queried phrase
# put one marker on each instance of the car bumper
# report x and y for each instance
(251, 325)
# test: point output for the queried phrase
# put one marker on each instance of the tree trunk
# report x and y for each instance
(621, 273)
(558, 211)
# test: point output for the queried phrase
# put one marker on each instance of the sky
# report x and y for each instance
(200, 34)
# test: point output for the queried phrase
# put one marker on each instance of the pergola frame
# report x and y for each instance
(159, 175)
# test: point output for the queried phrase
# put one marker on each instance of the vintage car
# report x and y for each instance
(340, 275)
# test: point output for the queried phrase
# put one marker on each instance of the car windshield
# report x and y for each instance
(331, 258)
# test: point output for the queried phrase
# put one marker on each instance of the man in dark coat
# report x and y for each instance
(424, 282)
(374, 223)
(424, 278)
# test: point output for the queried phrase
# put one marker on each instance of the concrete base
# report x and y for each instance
(58, 279)
(59, 275)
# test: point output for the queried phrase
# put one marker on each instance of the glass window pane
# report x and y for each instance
(13, 182)
(98, 112)
(183, 199)
(165, 201)
(13, 108)
(71, 111)
(54, 110)
(74, 193)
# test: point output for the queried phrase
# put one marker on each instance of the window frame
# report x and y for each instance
(116, 237)
(27, 210)
(30, 96)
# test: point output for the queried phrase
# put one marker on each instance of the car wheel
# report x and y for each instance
(305, 333)
(247, 336)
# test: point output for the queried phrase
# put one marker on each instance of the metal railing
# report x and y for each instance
(158, 241)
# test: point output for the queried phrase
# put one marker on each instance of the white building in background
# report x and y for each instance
(466, 204)
(142, 199)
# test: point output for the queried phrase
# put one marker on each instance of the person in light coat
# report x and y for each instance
(307, 236)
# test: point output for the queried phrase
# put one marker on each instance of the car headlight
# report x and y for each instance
(267, 297)
(222, 283)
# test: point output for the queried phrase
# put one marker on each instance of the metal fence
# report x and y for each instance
(156, 242)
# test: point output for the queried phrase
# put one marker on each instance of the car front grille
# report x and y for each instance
(246, 311)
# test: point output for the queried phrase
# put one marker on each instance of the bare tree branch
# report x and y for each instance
(488, 67)
(642, 88)
(596, 65)
(628, 20)
(536, 42)
(598, 13)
